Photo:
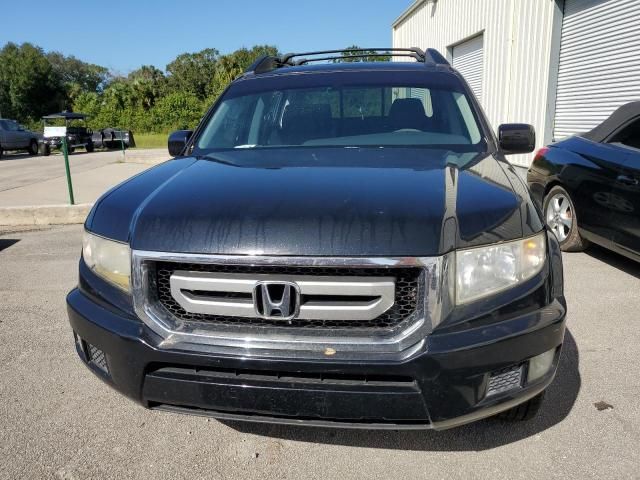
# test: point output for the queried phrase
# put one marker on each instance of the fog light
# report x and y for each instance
(539, 366)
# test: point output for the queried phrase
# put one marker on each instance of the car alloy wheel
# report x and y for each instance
(560, 216)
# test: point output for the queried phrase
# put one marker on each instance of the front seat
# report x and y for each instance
(407, 113)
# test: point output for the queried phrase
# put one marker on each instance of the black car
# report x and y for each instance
(336, 244)
(588, 186)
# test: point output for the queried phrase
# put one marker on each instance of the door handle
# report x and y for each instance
(627, 180)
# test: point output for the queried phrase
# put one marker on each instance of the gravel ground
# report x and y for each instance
(59, 421)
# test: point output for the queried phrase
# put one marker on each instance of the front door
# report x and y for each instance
(624, 199)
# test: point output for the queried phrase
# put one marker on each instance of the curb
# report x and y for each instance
(147, 156)
(44, 215)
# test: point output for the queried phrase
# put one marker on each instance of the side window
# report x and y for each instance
(629, 135)
(467, 116)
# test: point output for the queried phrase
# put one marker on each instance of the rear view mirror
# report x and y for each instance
(178, 140)
(516, 138)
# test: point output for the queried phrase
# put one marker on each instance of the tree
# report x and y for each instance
(192, 72)
(355, 56)
(230, 66)
(148, 84)
(78, 76)
(29, 88)
(177, 110)
(33, 83)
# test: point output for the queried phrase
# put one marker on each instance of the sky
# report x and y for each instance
(123, 35)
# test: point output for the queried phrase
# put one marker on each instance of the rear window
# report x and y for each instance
(335, 115)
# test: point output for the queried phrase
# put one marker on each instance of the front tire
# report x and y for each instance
(560, 216)
(89, 147)
(44, 150)
(524, 411)
(33, 147)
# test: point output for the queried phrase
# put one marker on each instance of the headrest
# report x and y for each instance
(407, 113)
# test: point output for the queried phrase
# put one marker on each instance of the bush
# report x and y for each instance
(176, 111)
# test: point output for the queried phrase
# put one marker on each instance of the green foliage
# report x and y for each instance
(148, 100)
(231, 66)
(354, 56)
(148, 84)
(29, 86)
(192, 72)
(76, 75)
(151, 140)
(176, 111)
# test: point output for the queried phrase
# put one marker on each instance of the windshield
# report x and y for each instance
(343, 116)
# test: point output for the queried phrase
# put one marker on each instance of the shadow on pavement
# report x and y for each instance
(614, 259)
(7, 242)
(482, 435)
(6, 157)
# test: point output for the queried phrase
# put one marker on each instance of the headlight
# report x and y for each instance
(483, 271)
(107, 258)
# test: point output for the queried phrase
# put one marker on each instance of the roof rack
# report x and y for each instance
(268, 63)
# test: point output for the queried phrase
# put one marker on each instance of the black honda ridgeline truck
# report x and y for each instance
(336, 244)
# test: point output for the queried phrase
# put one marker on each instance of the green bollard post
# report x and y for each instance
(65, 151)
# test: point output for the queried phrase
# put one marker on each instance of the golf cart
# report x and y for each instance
(71, 125)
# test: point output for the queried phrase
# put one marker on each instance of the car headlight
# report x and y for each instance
(109, 259)
(484, 271)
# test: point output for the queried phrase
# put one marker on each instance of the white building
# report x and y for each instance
(561, 65)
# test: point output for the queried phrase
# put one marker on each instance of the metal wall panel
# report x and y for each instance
(517, 38)
(467, 59)
(599, 62)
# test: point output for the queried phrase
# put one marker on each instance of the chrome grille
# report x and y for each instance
(404, 306)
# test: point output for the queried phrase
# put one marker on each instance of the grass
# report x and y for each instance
(151, 140)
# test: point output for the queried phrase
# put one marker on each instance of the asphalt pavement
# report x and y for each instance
(59, 421)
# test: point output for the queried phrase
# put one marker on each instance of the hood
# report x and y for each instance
(324, 202)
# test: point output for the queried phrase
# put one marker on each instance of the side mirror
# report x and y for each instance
(178, 140)
(516, 138)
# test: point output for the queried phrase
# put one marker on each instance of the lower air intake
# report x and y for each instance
(98, 358)
(504, 380)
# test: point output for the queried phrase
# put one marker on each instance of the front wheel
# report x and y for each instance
(524, 411)
(33, 147)
(560, 217)
(0, 151)
(45, 151)
(89, 147)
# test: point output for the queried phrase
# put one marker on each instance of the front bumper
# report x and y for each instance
(442, 385)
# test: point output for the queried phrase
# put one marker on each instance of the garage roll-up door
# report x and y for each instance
(599, 66)
(467, 59)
